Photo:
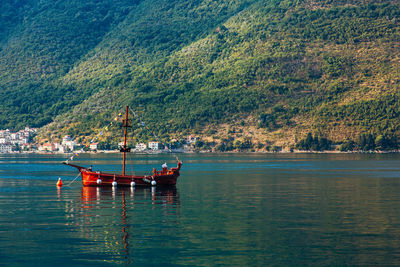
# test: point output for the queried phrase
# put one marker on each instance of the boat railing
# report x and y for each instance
(163, 172)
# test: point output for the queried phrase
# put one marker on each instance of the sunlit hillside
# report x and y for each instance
(240, 74)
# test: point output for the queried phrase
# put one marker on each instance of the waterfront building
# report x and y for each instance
(5, 148)
(93, 146)
(153, 145)
(49, 147)
(140, 147)
(68, 142)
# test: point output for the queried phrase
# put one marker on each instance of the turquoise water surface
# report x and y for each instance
(226, 209)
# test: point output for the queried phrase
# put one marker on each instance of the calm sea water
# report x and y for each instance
(227, 209)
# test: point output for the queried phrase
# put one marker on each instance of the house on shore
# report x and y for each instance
(153, 145)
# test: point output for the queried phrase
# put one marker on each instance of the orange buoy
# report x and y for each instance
(59, 183)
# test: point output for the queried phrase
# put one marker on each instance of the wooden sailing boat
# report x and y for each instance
(96, 178)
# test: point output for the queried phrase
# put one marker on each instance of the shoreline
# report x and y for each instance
(210, 152)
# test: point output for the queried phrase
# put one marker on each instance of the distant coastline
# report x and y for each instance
(206, 151)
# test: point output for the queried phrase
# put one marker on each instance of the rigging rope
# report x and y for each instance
(148, 129)
(75, 154)
(166, 145)
(74, 179)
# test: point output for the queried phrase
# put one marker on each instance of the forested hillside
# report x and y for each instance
(241, 74)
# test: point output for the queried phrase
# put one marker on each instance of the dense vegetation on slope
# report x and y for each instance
(47, 39)
(264, 71)
(61, 53)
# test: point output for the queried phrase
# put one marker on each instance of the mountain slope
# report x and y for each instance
(265, 71)
(57, 41)
(42, 47)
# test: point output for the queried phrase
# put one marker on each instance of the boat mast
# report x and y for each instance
(124, 149)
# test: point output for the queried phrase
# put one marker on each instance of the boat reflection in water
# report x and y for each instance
(165, 195)
(111, 218)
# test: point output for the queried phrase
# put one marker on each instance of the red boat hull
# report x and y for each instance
(90, 178)
(163, 178)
